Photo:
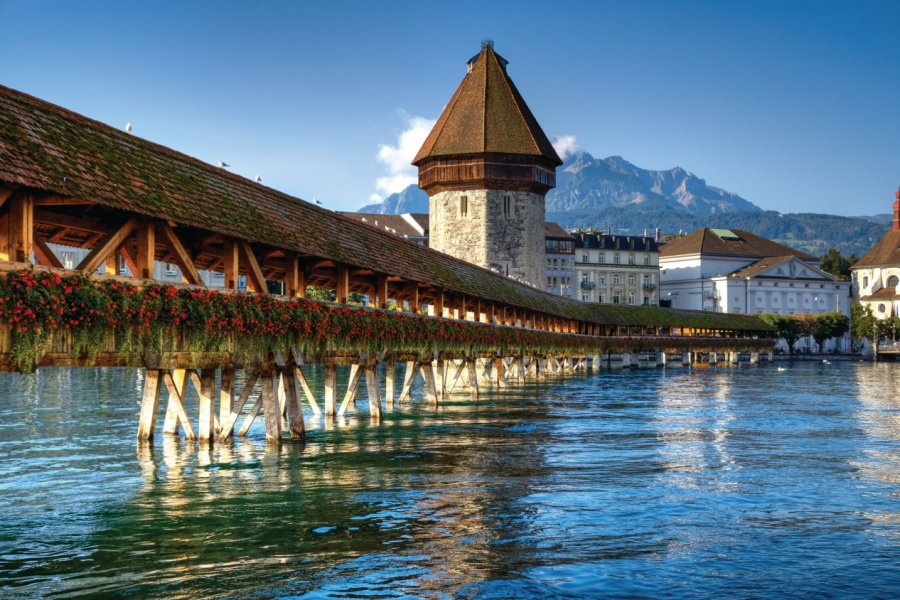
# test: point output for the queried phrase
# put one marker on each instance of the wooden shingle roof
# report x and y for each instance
(51, 149)
(487, 115)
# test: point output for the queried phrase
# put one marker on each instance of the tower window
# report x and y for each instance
(463, 206)
(507, 206)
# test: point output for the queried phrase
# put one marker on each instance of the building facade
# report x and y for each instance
(486, 166)
(736, 271)
(616, 269)
(876, 276)
(559, 254)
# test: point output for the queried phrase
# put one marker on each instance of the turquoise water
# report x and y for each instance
(719, 482)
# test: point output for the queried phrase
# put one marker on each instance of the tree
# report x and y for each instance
(786, 327)
(888, 328)
(829, 325)
(832, 262)
(862, 321)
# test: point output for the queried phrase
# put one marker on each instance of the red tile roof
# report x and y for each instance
(746, 244)
(885, 293)
(487, 115)
(884, 253)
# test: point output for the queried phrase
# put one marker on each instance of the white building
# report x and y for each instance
(559, 252)
(616, 269)
(876, 276)
(737, 271)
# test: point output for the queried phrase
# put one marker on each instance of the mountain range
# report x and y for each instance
(613, 194)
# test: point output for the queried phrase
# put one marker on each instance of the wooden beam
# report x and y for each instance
(61, 201)
(232, 263)
(438, 302)
(176, 403)
(352, 387)
(254, 273)
(296, 425)
(180, 254)
(307, 392)
(381, 291)
(414, 305)
(373, 392)
(295, 276)
(83, 224)
(107, 246)
(149, 405)
(342, 285)
(45, 255)
(125, 253)
(20, 237)
(5, 193)
(146, 251)
(236, 408)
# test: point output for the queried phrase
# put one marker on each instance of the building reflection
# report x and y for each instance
(879, 417)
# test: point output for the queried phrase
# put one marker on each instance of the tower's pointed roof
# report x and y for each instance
(487, 115)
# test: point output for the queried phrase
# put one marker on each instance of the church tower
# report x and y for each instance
(486, 167)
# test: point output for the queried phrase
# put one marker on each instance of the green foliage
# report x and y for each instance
(862, 321)
(888, 329)
(834, 263)
(821, 327)
(786, 328)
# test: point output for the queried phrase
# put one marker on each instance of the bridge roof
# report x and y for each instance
(49, 148)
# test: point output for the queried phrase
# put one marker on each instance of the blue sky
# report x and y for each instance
(794, 105)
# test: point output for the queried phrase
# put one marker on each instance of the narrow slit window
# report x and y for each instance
(464, 206)
(507, 206)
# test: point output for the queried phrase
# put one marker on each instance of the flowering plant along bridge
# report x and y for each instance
(67, 181)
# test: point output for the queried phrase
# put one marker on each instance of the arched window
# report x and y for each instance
(892, 281)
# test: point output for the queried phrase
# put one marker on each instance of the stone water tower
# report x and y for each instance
(486, 167)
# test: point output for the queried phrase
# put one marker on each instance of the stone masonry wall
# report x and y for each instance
(497, 229)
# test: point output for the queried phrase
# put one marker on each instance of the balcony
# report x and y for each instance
(649, 287)
(587, 285)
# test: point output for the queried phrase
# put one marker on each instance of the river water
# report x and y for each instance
(749, 481)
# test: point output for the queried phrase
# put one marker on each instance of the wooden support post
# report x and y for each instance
(438, 302)
(146, 251)
(232, 264)
(295, 279)
(411, 369)
(226, 396)
(439, 379)
(390, 371)
(296, 426)
(330, 389)
(306, 391)
(455, 378)
(473, 375)
(149, 405)
(342, 285)
(381, 291)
(20, 238)
(352, 387)
(189, 273)
(205, 383)
(373, 392)
(428, 374)
(498, 368)
(227, 425)
(414, 305)
(176, 383)
(268, 379)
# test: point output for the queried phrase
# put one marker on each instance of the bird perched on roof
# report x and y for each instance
(258, 179)
(319, 202)
(223, 164)
(127, 127)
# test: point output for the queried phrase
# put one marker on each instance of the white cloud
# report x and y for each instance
(396, 159)
(565, 145)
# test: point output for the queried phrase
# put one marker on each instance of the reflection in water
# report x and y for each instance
(677, 482)
(879, 417)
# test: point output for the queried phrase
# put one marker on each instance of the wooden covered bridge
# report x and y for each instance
(69, 181)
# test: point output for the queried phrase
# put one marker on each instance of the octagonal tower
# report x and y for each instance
(486, 167)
